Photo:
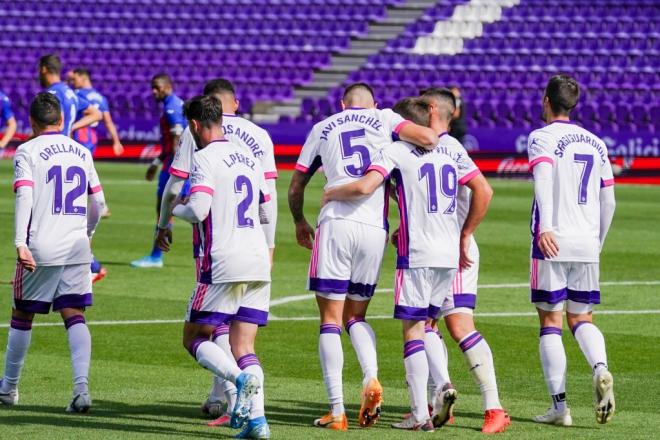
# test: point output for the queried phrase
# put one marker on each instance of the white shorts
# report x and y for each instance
(462, 296)
(346, 259)
(416, 289)
(555, 282)
(62, 286)
(217, 304)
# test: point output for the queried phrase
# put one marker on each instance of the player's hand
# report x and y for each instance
(118, 148)
(395, 238)
(164, 239)
(25, 258)
(324, 199)
(548, 244)
(464, 260)
(304, 234)
(151, 172)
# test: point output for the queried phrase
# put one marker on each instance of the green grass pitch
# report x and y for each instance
(145, 385)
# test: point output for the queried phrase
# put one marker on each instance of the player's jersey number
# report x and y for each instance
(447, 176)
(242, 182)
(350, 148)
(73, 175)
(587, 163)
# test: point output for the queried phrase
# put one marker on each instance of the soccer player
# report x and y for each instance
(55, 219)
(571, 215)
(172, 124)
(50, 71)
(81, 81)
(350, 239)
(233, 276)
(457, 308)
(7, 119)
(242, 132)
(429, 237)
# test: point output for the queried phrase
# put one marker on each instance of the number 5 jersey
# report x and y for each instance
(61, 173)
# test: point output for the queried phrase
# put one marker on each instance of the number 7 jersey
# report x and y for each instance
(580, 168)
(61, 173)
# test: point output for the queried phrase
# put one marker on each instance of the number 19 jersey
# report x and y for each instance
(344, 144)
(61, 173)
(580, 168)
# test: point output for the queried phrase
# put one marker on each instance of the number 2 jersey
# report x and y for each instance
(229, 245)
(345, 144)
(426, 189)
(61, 173)
(580, 168)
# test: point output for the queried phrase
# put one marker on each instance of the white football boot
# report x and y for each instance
(81, 403)
(604, 396)
(554, 417)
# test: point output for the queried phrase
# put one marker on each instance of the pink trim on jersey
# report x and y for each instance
(95, 189)
(398, 285)
(379, 169)
(535, 273)
(201, 188)
(538, 160)
(266, 198)
(403, 249)
(399, 127)
(608, 182)
(179, 173)
(469, 176)
(314, 262)
(20, 183)
(301, 168)
(270, 175)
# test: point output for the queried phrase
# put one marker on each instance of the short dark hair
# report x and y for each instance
(162, 76)
(563, 93)
(45, 109)
(413, 109)
(206, 109)
(443, 95)
(219, 85)
(82, 71)
(358, 86)
(52, 63)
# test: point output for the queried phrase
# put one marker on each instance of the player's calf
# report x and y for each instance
(18, 342)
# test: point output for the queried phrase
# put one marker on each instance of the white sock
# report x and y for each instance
(592, 344)
(417, 374)
(250, 364)
(214, 359)
(364, 343)
(223, 389)
(80, 345)
(332, 364)
(436, 354)
(18, 342)
(553, 360)
(480, 362)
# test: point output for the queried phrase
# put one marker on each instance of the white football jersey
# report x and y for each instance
(345, 144)
(61, 173)
(238, 130)
(426, 186)
(229, 244)
(580, 168)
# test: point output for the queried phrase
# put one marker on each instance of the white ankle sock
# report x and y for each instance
(436, 354)
(480, 362)
(214, 359)
(332, 364)
(553, 360)
(364, 343)
(18, 342)
(80, 345)
(417, 374)
(250, 364)
(592, 344)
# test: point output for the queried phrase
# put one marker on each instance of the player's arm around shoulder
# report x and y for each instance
(202, 189)
(408, 131)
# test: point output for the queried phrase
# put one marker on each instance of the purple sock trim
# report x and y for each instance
(221, 330)
(550, 331)
(470, 341)
(21, 324)
(73, 320)
(247, 360)
(350, 323)
(428, 329)
(194, 345)
(578, 325)
(412, 347)
(330, 328)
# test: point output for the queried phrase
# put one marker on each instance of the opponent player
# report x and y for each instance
(53, 176)
(172, 124)
(81, 81)
(428, 239)
(7, 119)
(350, 239)
(242, 132)
(233, 276)
(572, 212)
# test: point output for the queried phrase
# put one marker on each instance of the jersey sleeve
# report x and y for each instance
(175, 119)
(81, 103)
(310, 156)
(385, 161)
(6, 112)
(269, 167)
(539, 148)
(465, 167)
(606, 173)
(182, 162)
(264, 191)
(22, 169)
(201, 176)
(392, 122)
(93, 182)
(104, 106)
